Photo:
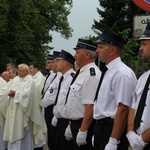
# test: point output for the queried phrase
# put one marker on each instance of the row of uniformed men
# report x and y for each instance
(72, 101)
(91, 111)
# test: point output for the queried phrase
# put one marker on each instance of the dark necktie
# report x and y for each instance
(141, 105)
(45, 83)
(56, 99)
(100, 82)
(74, 78)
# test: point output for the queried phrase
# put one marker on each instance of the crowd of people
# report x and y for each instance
(73, 104)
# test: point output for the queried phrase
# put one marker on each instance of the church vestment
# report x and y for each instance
(23, 128)
(3, 111)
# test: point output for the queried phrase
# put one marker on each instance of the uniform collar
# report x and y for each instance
(68, 73)
(113, 63)
(87, 66)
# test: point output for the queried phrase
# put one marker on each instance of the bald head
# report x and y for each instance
(5, 76)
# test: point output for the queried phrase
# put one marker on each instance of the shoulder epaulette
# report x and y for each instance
(92, 71)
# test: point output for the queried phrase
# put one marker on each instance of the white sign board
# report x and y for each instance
(139, 24)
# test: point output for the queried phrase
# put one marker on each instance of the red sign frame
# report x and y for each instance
(144, 4)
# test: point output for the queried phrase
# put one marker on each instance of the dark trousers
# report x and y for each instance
(51, 131)
(75, 126)
(39, 148)
(102, 132)
(63, 144)
(147, 147)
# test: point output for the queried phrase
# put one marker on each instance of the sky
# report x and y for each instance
(81, 20)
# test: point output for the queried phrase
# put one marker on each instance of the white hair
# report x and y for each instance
(24, 66)
(92, 53)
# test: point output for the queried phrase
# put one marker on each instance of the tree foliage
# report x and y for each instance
(26, 26)
(117, 15)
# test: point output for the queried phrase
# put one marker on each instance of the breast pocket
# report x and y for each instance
(63, 93)
(76, 90)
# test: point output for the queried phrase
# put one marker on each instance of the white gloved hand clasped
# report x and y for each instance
(68, 133)
(54, 121)
(136, 141)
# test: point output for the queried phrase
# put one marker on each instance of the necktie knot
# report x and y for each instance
(74, 78)
(61, 79)
(48, 75)
(104, 69)
(77, 72)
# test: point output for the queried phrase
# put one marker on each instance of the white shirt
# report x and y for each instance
(145, 123)
(51, 91)
(117, 87)
(82, 91)
(59, 110)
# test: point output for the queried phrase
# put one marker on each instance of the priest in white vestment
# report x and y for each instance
(13, 74)
(3, 111)
(23, 128)
(39, 80)
(6, 77)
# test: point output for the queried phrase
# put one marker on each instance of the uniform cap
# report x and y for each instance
(86, 44)
(108, 36)
(45, 71)
(66, 56)
(49, 57)
(55, 54)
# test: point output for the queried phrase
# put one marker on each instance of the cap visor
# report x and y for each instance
(59, 58)
(144, 37)
(100, 41)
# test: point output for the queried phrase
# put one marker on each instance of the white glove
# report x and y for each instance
(81, 138)
(112, 144)
(54, 121)
(135, 141)
(68, 133)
